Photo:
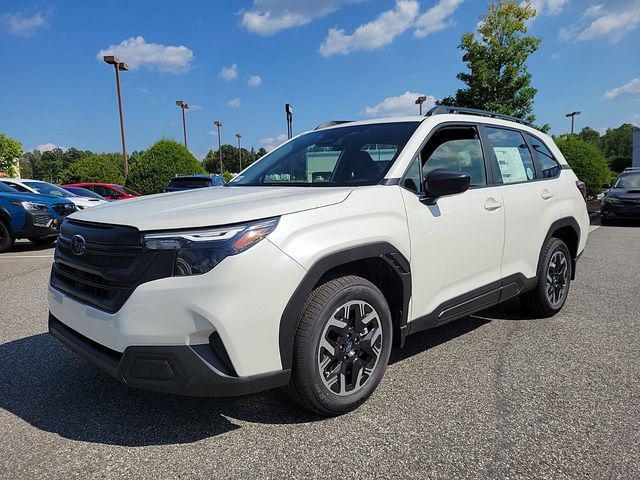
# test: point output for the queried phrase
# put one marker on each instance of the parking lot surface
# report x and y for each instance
(497, 395)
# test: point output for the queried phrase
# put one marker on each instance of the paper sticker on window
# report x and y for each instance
(529, 173)
(510, 164)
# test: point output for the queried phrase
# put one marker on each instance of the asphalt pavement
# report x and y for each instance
(494, 396)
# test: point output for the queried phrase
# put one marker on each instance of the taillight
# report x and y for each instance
(583, 188)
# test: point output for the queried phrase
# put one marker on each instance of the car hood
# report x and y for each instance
(624, 193)
(33, 197)
(86, 202)
(212, 206)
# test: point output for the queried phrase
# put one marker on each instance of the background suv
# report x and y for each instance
(622, 201)
(308, 266)
(109, 191)
(189, 182)
(32, 216)
(44, 188)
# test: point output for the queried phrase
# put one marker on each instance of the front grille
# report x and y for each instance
(41, 220)
(112, 267)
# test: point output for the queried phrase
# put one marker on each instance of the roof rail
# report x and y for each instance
(631, 169)
(444, 109)
(331, 123)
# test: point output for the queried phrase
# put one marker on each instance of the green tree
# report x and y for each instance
(165, 159)
(28, 163)
(230, 160)
(10, 153)
(587, 162)
(97, 167)
(498, 78)
(50, 165)
(618, 142)
(590, 135)
(261, 152)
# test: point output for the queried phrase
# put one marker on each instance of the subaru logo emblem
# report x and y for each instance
(78, 245)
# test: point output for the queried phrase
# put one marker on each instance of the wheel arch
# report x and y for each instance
(5, 218)
(568, 230)
(381, 263)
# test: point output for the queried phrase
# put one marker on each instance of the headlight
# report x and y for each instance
(198, 251)
(31, 206)
(612, 200)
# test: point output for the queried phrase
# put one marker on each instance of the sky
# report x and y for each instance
(240, 61)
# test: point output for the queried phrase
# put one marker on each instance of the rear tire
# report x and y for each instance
(41, 241)
(6, 240)
(341, 346)
(553, 280)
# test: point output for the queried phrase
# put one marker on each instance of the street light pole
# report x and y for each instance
(119, 66)
(288, 108)
(238, 136)
(419, 101)
(183, 105)
(573, 116)
(219, 124)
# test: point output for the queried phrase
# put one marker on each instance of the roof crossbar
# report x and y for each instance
(331, 123)
(445, 109)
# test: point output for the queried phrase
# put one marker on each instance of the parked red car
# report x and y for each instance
(110, 191)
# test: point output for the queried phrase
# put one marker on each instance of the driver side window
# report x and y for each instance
(457, 149)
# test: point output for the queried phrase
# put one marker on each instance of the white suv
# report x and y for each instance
(311, 264)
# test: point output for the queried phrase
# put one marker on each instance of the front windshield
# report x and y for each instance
(48, 189)
(630, 180)
(6, 188)
(350, 155)
(128, 191)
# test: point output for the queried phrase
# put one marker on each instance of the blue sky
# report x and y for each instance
(240, 61)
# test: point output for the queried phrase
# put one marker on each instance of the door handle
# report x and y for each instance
(546, 194)
(492, 205)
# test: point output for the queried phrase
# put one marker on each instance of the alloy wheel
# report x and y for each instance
(557, 278)
(350, 347)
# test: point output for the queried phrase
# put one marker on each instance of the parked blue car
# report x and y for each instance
(189, 182)
(29, 215)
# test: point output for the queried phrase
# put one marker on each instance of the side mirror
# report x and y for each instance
(441, 182)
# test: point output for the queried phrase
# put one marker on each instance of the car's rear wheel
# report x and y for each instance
(341, 347)
(553, 280)
(43, 240)
(6, 240)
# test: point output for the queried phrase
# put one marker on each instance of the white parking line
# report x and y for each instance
(26, 256)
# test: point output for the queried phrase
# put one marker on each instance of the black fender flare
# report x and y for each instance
(383, 250)
(555, 226)
(5, 217)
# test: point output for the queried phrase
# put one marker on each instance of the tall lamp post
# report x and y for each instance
(573, 116)
(219, 124)
(183, 106)
(420, 101)
(119, 67)
(288, 108)
(238, 136)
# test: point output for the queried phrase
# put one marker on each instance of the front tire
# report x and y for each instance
(341, 346)
(553, 280)
(6, 240)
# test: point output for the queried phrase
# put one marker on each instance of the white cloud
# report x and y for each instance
(435, 19)
(270, 143)
(234, 102)
(375, 34)
(629, 89)
(47, 147)
(254, 80)
(22, 25)
(548, 7)
(401, 105)
(636, 120)
(195, 107)
(610, 20)
(229, 73)
(137, 53)
(267, 17)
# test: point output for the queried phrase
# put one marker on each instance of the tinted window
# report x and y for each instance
(350, 155)
(546, 161)
(48, 189)
(100, 190)
(6, 188)
(457, 149)
(83, 192)
(629, 180)
(17, 187)
(413, 178)
(190, 182)
(513, 157)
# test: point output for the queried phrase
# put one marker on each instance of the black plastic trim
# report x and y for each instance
(384, 250)
(555, 226)
(180, 369)
(474, 301)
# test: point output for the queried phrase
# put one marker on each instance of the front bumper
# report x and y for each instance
(621, 210)
(193, 370)
(39, 225)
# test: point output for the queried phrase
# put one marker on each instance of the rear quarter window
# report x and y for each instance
(546, 162)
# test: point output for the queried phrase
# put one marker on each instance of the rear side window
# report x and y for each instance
(547, 163)
(513, 158)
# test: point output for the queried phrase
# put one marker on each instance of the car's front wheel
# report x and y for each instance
(6, 240)
(341, 347)
(553, 280)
